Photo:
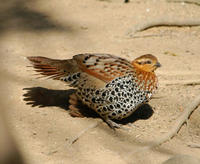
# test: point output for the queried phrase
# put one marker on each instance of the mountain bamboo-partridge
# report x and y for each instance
(110, 85)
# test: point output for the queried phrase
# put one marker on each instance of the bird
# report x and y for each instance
(112, 86)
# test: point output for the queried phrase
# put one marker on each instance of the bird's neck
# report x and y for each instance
(146, 81)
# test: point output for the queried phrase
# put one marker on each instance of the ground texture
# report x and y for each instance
(44, 129)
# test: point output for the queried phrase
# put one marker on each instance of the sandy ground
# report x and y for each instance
(43, 128)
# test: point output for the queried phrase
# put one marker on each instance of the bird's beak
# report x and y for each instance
(158, 64)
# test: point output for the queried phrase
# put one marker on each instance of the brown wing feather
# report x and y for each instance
(53, 68)
(105, 67)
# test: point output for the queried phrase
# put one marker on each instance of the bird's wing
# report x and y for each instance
(105, 67)
(53, 68)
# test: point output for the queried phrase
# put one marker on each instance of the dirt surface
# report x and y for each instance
(44, 129)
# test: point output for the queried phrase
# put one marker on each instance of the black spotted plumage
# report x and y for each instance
(113, 98)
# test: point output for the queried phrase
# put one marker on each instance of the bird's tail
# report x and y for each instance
(53, 68)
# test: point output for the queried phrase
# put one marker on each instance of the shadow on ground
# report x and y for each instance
(18, 15)
(43, 97)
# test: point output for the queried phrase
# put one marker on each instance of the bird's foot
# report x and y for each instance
(114, 125)
(74, 111)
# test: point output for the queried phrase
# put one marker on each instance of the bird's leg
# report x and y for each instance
(73, 100)
(111, 123)
(73, 110)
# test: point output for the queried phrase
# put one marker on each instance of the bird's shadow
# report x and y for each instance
(43, 97)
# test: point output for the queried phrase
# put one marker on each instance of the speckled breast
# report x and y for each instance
(118, 99)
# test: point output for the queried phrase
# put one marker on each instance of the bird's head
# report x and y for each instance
(148, 63)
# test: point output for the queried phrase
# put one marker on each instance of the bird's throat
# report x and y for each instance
(146, 81)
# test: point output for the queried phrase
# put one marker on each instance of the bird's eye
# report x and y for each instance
(148, 62)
